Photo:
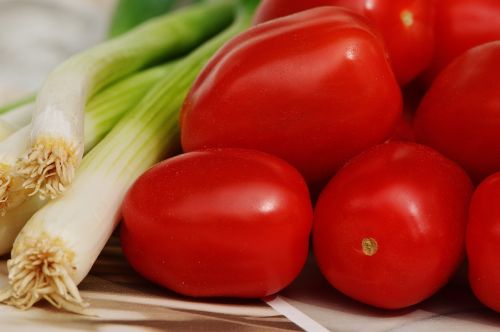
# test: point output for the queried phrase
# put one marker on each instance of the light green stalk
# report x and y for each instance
(57, 130)
(102, 113)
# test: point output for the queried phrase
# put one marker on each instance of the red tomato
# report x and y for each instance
(406, 25)
(483, 242)
(460, 25)
(459, 115)
(218, 223)
(313, 88)
(389, 228)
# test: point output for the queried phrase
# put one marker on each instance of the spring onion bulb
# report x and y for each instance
(6, 129)
(57, 130)
(12, 192)
(101, 114)
(12, 223)
(60, 243)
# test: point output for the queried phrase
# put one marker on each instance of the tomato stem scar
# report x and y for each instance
(369, 246)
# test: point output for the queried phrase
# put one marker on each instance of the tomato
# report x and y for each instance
(218, 223)
(406, 25)
(313, 88)
(460, 25)
(459, 115)
(389, 228)
(483, 242)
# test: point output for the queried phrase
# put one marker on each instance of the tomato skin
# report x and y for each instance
(272, 9)
(483, 242)
(218, 223)
(459, 26)
(404, 129)
(270, 89)
(409, 200)
(406, 25)
(459, 114)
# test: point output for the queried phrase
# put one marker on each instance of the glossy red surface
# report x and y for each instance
(460, 114)
(218, 223)
(406, 26)
(389, 228)
(483, 242)
(313, 88)
(459, 26)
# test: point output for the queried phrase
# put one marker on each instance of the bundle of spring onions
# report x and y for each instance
(56, 248)
(56, 144)
(55, 137)
(101, 113)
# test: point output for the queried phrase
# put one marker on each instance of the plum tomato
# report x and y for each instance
(460, 114)
(407, 27)
(459, 26)
(483, 242)
(225, 222)
(314, 88)
(389, 228)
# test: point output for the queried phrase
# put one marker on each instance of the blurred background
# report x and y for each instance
(36, 35)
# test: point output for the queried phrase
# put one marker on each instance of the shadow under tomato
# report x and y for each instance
(311, 286)
(454, 301)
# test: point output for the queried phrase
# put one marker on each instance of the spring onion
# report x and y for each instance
(12, 223)
(6, 129)
(15, 104)
(19, 116)
(101, 114)
(57, 130)
(129, 13)
(15, 116)
(12, 192)
(60, 243)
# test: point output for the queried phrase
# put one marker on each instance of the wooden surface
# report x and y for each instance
(121, 300)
